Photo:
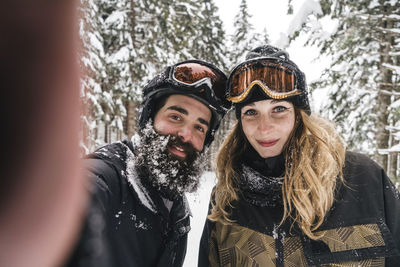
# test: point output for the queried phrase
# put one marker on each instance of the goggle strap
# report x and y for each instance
(201, 81)
(269, 92)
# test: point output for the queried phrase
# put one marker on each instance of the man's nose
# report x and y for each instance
(185, 134)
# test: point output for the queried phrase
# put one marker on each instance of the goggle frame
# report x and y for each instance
(237, 98)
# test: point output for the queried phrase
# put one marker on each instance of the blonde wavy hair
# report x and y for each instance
(314, 159)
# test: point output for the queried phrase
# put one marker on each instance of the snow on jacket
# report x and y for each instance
(361, 229)
(128, 224)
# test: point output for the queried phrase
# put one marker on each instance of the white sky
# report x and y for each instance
(272, 15)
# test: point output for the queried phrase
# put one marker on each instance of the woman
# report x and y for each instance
(288, 192)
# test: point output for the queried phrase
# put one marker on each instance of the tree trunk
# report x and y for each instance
(106, 135)
(131, 118)
(383, 100)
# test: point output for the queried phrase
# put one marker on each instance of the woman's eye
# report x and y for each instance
(249, 112)
(279, 109)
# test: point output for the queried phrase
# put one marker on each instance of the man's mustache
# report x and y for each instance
(188, 147)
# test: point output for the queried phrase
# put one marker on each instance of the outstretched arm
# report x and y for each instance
(42, 196)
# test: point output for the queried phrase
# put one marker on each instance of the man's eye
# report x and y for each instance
(280, 109)
(175, 117)
(250, 112)
(201, 129)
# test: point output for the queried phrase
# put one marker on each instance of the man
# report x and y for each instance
(139, 215)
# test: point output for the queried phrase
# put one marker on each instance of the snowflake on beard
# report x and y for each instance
(169, 175)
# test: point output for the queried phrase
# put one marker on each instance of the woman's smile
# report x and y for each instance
(268, 143)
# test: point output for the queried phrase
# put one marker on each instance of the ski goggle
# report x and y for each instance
(277, 80)
(198, 75)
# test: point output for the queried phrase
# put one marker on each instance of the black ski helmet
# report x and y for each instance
(163, 85)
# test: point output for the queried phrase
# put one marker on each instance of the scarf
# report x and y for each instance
(261, 179)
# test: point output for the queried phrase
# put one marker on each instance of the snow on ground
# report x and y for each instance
(199, 205)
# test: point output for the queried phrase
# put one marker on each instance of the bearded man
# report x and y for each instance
(139, 214)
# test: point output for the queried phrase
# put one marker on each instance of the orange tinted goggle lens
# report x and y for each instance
(276, 77)
(190, 73)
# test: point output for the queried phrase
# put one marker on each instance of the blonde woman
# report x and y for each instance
(288, 192)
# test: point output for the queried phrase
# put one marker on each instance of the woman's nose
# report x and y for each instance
(265, 123)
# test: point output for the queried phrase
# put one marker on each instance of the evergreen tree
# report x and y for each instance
(149, 55)
(183, 26)
(363, 78)
(244, 37)
(93, 68)
(209, 41)
(118, 54)
(260, 38)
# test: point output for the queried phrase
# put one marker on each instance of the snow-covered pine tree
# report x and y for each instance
(145, 28)
(183, 26)
(386, 21)
(155, 20)
(244, 37)
(175, 25)
(363, 80)
(209, 37)
(263, 37)
(241, 40)
(119, 59)
(93, 68)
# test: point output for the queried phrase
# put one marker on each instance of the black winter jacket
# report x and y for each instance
(128, 223)
(361, 229)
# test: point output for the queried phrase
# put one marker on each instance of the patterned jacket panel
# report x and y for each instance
(362, 228)
(234, 245)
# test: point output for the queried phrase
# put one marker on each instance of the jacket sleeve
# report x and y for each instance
(204, 249)
(104, 181)
(208, 250)
(392, 215)
(92, 247)
(181, 250)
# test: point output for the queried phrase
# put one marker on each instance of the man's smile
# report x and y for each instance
(177, 150)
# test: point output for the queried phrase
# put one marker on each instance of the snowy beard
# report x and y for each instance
(168, 174)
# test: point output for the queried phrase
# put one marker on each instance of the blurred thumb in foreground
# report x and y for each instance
(42, 196)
